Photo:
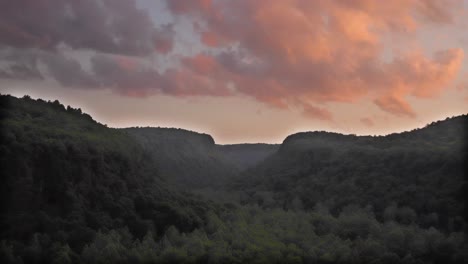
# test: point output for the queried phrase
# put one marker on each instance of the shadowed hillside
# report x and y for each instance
(65, 177)
(419, 174)
(192, 160)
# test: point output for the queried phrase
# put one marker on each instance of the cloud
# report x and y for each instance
(182, 6)
(437, 10)
(132, 78)
(316, 113)
(201, 64)
(21, 71)
(367, 121)
(16, 64)
(125, 75)
(415, 75)
(324, 51)
(291, 54)
(425, 77)
(111, 26)
(164, 39)
(67, 71)
(395, 105)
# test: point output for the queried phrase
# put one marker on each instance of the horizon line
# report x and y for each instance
(252, 142)
(299, 132)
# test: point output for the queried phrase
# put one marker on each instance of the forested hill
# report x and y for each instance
(187, 159)
(412, 177)
(75, 191)
(64, 177)
(191, 160)
(449, 133)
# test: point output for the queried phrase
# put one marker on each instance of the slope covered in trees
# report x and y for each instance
(411, 177)
(65, 176)
(191, 160)
(75, 191)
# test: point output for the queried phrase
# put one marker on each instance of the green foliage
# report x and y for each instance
(75, 191)
(415, 177)
(65, 177)
(278, 236)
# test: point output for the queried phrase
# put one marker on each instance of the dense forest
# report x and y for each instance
(204, 164)
(75, 191)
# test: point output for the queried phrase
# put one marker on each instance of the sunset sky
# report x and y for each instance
(242, 70)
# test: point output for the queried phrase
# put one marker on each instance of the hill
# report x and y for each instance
(411, 177)
(191, 160)
(75, 191)
(65, 177)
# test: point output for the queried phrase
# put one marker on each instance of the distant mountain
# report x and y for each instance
(423, 171)
(192, 160)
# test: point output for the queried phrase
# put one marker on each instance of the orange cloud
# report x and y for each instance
(287, 54)
(323, 51)
(210, 39)
(423, 77)
(395, 105)
(184, 82)
(316, 113)
(414, 75)
(201, 63)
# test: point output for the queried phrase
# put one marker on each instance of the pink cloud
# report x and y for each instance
(395, 105)
(201, 63)
(423, 77)
(317, 113)
(323, 51)
(287, 54)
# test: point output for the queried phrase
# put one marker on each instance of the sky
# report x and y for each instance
(242, 70)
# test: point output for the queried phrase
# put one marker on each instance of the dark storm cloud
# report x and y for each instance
(110, 26)
(32, 33)
(67, 71)
(20, 71)
(125, 74)
(18, 64)
(33, 64)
